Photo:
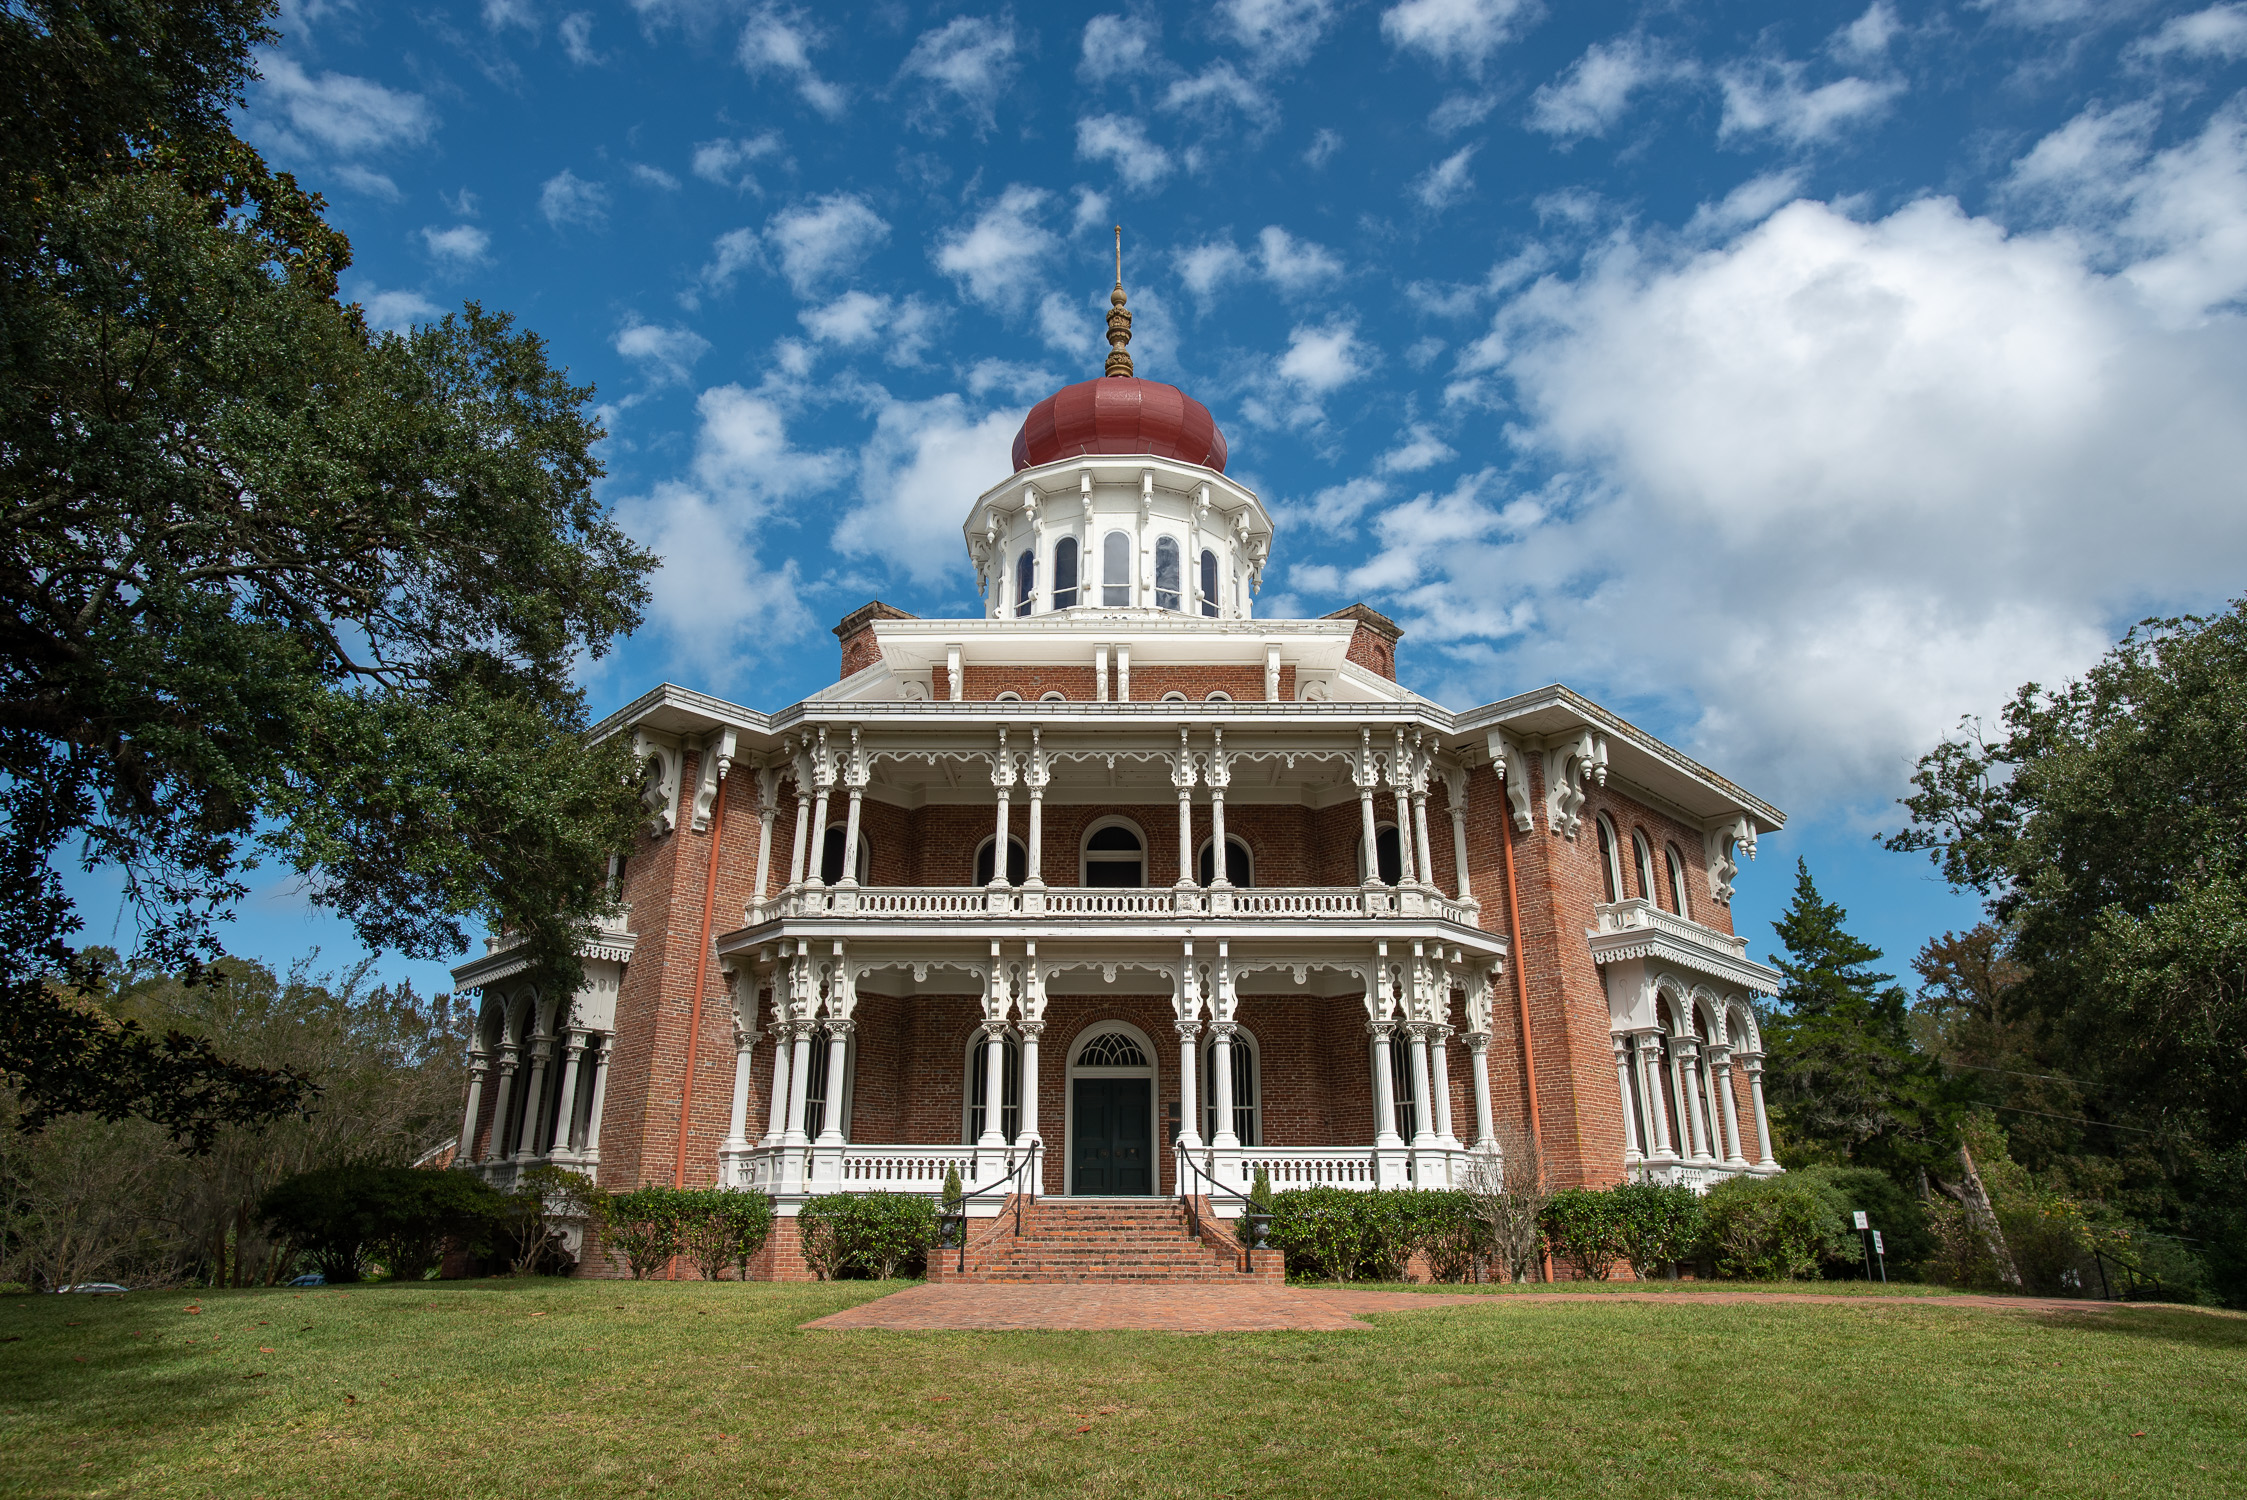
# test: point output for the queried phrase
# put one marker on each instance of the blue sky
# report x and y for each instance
(1796, 378)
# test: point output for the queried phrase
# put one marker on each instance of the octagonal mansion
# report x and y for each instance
(1119, 892)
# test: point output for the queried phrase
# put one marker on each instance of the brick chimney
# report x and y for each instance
(860, 649)
(1373, 645)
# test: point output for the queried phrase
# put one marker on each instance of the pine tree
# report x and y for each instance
(1844, 1079)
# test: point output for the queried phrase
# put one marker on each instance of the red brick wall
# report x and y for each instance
(1374, 652)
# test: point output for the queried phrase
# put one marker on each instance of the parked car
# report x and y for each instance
(309, 1278)
(94, 1286)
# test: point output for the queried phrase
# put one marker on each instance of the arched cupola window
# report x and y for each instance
(1025, 582)
(1065, 573)
(1167, 583)
(1209, 583)
(1115, 570)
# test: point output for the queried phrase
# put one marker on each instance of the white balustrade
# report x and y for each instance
(1311, 1166)
(1105, 903)
(1622, 916)
(906, 1169)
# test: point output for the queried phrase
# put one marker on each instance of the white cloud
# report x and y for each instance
(1865, 41)
(824, 239)
(1768, 96)
(1067, 326)
(1025, 383)
(1208, 267)
(576, 31)
(727, 159)
(1323, 360)
(1596, 90)
(569, 199)
(780, 42)
(1419, 449)
(395, 310)
(731, 253)
(333, 115)
(520, 13)
(1749, 203)
(1460, 111)
(1335, 509)
(1322, 148)
(1209, 94)
(2047, 13)
(1826, 487)
(998, 258)
(1092, 208)
(1447, 181)
(1275, 33)
(860, 320)
(1118, 47)
(457, 248)
(1122, 141)
(1289, 264)
(2220, 31)
(1463, 33)
(654, 177)
(968, 58)
(917, 475)
(666, 356)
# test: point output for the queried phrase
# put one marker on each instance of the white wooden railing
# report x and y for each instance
(1622, 916)
(1107, 903)
(905, 1169)
(1310, 1166)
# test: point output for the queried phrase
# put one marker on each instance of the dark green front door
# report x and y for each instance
(1112, 1142)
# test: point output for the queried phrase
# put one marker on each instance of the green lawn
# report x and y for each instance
(604, 1389)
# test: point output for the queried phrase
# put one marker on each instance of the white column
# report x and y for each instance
(776, 1126)
(1688, 1066)
(1631, 1150)
(478, 1064)
(1650, 1076)
(1123, 674)
(737, 1123)
(765, 814)
(591, 1150)
(1189, 1097)
(1457, 789)
(1688, 1125)
(1478, 1064)
(799, 1080)
(999, 841)
(1186, 835)
(1217, 836)
(1420, 835)
(1384, 1096)
(1036, 854)
(1223, 1138)
(1030, 1031)
(1727, 1111)
(1406, 873)
(838, 1062)
(1423, 1127)
(850, 839)
(1372, 835)
(565, 1117)
(991, 1136)
(1100, 672)
(802, 852)
(534, 1095)
(816, 851)
(1754, 1066)
(1439, 1068)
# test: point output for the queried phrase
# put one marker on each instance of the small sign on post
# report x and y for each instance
(1860, 1221)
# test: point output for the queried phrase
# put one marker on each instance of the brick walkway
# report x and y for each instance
(1203, 1308)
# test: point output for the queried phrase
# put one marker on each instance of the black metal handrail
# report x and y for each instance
(1258, 1220)
(1021, 1177)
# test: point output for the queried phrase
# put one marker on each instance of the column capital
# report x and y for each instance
(1031, 1030)
(1379, 1030)
(1224, 1030)
(1478, 1042)
(1688, 1048)
(995, 1028)
(1188, 1028)
(1752, 1064)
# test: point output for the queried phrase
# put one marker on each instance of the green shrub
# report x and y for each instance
(869, 1234)
(1320, 1231)
(647, 1226)
(1584, 1227)
(721, 1227)
(1452, 1234)
(1655, 1226)
(1906, 1235)
(14, 1289)
(1774, 1228)
(402, 1217)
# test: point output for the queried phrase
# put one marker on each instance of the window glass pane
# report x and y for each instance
(1166, 573)
(1115, 570)
(1114, 836)
(815, 1085)
(1607, 868)
(1025, 581)
(1390, 868)
(831, 854)
(1065, 573)
(1209, 584)
(1400, 1080)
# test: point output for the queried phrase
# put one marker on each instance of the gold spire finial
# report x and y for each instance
(1119, 318)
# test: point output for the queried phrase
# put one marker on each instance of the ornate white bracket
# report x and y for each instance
(1720, 842)
(1512, 766)
(660, 763)
(717, 760)
(1571, 768)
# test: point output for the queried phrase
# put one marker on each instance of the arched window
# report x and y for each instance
(1174, 696)
(1166, 574)
(1209, 584)
(1115, 856)
(1065, 573)
(1218, 695)
(1113, 1049)
(822, 1092)
(1610, 860)
(978, 1083)
(1644, 858)
(1009, 696)
(1676, 862)
(1053, 696)
(1388, 856)
(1400, 1082)
(1115, 570)
(831, 856)
(1025, 582)
(1247, 1116)
(1017, 863)
(1240, 870)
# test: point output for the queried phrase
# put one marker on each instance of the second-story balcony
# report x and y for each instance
(1120, 905)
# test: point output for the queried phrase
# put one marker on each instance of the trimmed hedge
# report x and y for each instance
(401, 1217)
(712, 1227)
(1332, 1234)
(878, 1235)
(1776, 1228)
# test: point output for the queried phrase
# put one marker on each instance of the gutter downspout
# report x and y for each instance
(701, 968)
(1521, 994)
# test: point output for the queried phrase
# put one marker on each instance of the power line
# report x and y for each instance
(2078, 1119)
(2017, 1073)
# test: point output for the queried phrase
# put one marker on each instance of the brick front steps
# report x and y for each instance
(1102, 1240)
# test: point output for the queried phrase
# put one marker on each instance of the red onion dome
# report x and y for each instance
(1119, 414)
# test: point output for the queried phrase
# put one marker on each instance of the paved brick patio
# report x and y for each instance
(1188, 1307)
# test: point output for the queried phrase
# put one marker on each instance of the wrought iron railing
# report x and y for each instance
(1253, 1214)
(1021, 1179)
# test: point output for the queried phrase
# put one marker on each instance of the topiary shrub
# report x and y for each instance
(721, 1227)
(647, 1226)
(1656, 1226)
(865, 1234)
(1584, 1228)
(1773, 1228)
(400, 1217)
(1320, 1232)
